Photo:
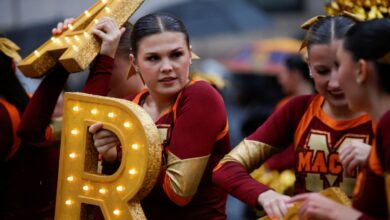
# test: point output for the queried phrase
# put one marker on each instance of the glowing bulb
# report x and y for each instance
(135, 146)
(102, 191)
(119, 188)
(104, 1)
(85, 188)
(87, 13)
(94, 111)
(67, 39)
(116, 212)
(107, 9)
(77, 38)
(68, 202)
(70, 27)
(74, 132)
(53, 39)
(37, 53)
(76, 108)
(75, 48)
(70, 178)
(72, 155)
(96, 21)
(132, 171)
(127, 124)
(111, 115)
(86, 35)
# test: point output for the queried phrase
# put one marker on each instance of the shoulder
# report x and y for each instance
(201, 89)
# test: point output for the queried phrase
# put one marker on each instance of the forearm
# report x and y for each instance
(234, 179)
(37, 116)
(98, 81)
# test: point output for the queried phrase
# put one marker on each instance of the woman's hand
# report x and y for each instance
(105, 141)
(62, 26)
(274, 204)
(316, 206)
(354, 155)
(106, 30)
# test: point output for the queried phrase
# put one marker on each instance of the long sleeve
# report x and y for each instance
(6, 133)
(232, 173)
(38, 114)
(196, 131)
(98, 82)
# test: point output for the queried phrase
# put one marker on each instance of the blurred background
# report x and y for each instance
(242, 45)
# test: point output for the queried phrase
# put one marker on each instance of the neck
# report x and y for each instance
(156, 105)
(340, 113)
(378, 105)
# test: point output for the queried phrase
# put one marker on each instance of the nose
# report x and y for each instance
(166, 66)
(333, 82)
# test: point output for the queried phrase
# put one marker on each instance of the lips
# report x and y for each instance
(337, 93)
(167, 79)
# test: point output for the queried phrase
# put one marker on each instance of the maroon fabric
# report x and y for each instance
(98, 82)
(282, 161)
(6, 136)
(28, 186)
(231, 176)
(371, 197)
(200, 118)
(30, 176)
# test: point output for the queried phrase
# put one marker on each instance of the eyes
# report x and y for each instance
(175, 55)
(322, 70)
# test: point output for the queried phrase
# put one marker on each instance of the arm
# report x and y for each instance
(38, 114)
(275, 134)
(6, 136)
(195, 133)
(99, 79)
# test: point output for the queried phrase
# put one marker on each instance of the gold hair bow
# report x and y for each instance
(10, 49)
(385, 59)
(307, 25)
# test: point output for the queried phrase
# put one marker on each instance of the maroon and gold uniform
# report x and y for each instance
(370, 191)
(194, 138)
(194, 135)
(317, 140)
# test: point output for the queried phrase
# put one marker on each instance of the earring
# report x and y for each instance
(359, 81)
(310, 75)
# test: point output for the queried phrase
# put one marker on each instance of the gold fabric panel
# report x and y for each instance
(250, 154)
(178, 171)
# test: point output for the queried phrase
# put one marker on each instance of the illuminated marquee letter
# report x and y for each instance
(75, 48)
(79, 183)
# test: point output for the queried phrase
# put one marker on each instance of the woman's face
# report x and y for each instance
(323, 68)
(163, 60)
(346, 75)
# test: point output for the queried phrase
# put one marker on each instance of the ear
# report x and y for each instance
(133, 62)
(363, 71)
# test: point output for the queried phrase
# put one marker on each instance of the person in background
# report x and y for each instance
(29, 149)
(319, 126)
(191, 112)
(294, 78)
(366, 52)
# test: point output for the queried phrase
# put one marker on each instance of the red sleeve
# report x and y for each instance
(98, 82)
(278, 130)
(367, 217)
(6, 140)
(281, 161)
(200, 117)
(38, 113)
(234, 178)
